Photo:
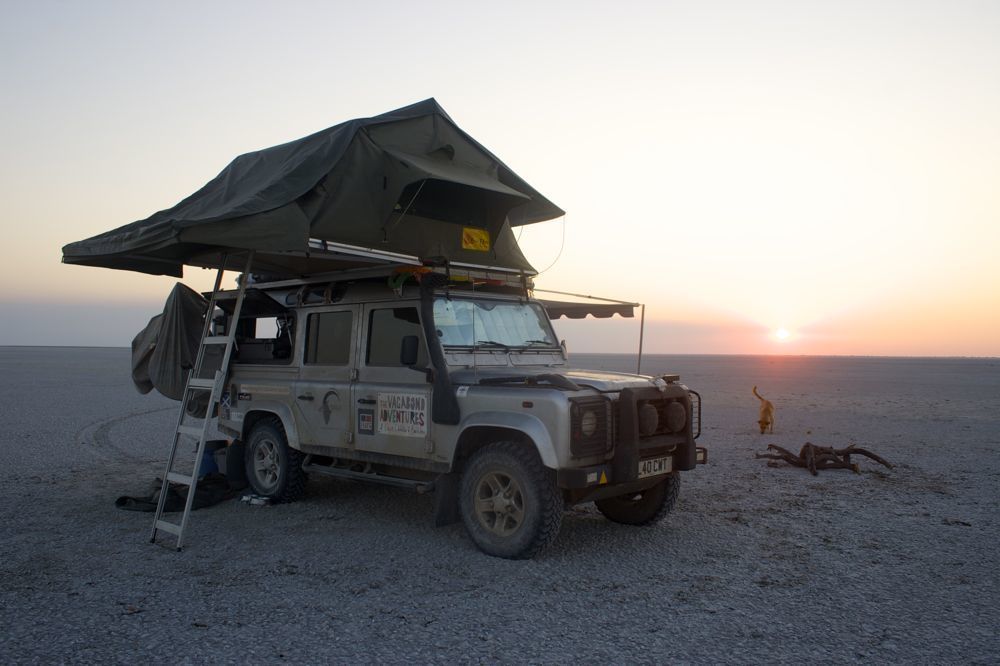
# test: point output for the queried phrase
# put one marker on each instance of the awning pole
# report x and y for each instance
(595, 298)
(642, 328)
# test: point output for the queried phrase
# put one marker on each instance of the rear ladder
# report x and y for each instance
(194, 427)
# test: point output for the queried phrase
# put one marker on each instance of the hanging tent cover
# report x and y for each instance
(407, 186)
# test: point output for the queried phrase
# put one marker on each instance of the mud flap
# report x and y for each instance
(446, 509)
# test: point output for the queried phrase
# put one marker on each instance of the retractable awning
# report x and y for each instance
(570, 310)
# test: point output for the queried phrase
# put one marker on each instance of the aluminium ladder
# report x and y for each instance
(199, 427)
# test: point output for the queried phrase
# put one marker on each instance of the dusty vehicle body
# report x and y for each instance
(465, 393)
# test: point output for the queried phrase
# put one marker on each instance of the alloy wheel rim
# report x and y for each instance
(266, 463)
(499, 503)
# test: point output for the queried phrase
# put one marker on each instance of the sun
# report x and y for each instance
(782, 334)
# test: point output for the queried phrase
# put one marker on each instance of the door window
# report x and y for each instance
(328, 338)
(386, 330)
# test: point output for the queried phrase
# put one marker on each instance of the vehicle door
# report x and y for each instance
(392, 402)
(323, 389)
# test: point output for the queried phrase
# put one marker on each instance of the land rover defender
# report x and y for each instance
(458, 387)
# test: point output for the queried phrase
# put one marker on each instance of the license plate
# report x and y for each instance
(654, 466)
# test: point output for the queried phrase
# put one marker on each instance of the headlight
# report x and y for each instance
(590, 426)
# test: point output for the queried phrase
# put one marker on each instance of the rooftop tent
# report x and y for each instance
(408, 185)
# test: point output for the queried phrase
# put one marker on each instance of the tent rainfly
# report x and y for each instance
(407, 186)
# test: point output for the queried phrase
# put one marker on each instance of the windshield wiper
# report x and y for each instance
(547, 343)
(492, 343)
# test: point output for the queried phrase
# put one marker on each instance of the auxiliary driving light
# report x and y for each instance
(676, 416)
(649, 419)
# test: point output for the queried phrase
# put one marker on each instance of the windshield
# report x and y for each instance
(492, 324)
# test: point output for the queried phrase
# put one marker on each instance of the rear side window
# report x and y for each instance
(328, 338)
(386, 330)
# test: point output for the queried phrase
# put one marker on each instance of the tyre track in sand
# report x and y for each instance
(96, 437)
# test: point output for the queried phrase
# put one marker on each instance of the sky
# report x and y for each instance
(767, 177)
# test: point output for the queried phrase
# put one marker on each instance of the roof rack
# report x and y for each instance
(472, 274)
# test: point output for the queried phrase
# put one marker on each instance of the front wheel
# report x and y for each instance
(509, 503)
(273, 468)
(644, 507)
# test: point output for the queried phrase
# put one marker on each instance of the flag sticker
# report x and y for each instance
(474, 238)
(366, 421)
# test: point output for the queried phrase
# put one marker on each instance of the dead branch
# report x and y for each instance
(853, 450)
(815, 458)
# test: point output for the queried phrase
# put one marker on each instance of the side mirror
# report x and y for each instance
(562, 344)
(409, 349)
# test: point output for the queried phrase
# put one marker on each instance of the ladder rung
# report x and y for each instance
(173, 528)
(191, 431)
(196, 383)
(216, 340)
(179, 478)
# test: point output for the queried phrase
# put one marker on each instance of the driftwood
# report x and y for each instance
(815, 458)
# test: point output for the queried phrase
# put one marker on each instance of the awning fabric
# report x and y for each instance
(409, 182)
(575, 310)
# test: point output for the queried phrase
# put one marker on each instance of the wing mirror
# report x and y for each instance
(409, 349)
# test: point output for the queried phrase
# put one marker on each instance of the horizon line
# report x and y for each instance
(633, 354)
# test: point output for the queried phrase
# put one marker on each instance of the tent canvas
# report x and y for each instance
(407, 185)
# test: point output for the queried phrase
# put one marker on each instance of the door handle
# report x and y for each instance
(306, 396)
(366, 401)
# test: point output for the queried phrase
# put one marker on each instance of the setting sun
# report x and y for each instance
(782, 334)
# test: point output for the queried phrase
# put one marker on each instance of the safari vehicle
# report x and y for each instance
(454, 388)
(406, 345)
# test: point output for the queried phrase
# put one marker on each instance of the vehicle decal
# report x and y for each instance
(402, 414)
(366, 421)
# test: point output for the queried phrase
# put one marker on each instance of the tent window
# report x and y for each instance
(453, 202)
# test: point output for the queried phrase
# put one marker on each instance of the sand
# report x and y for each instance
(757, 563)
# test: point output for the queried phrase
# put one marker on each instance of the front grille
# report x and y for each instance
(600, 441)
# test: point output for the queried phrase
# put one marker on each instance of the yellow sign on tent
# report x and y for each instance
(474, 238)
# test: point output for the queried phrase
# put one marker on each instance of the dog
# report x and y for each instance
(766, 420)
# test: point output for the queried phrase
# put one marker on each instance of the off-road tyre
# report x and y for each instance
(534, 498)
(273, 468)
(645, 507)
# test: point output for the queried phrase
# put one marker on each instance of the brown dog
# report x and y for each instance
(766, 420)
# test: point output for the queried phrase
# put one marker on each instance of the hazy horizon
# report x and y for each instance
(628, 354)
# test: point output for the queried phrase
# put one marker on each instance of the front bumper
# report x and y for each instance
(604, 475)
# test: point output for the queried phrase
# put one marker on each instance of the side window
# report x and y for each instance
(386, 330)
(328, 338)
(266, 340)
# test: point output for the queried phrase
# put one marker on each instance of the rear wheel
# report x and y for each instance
(644, 507)
(509, 503)
(273, 468)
